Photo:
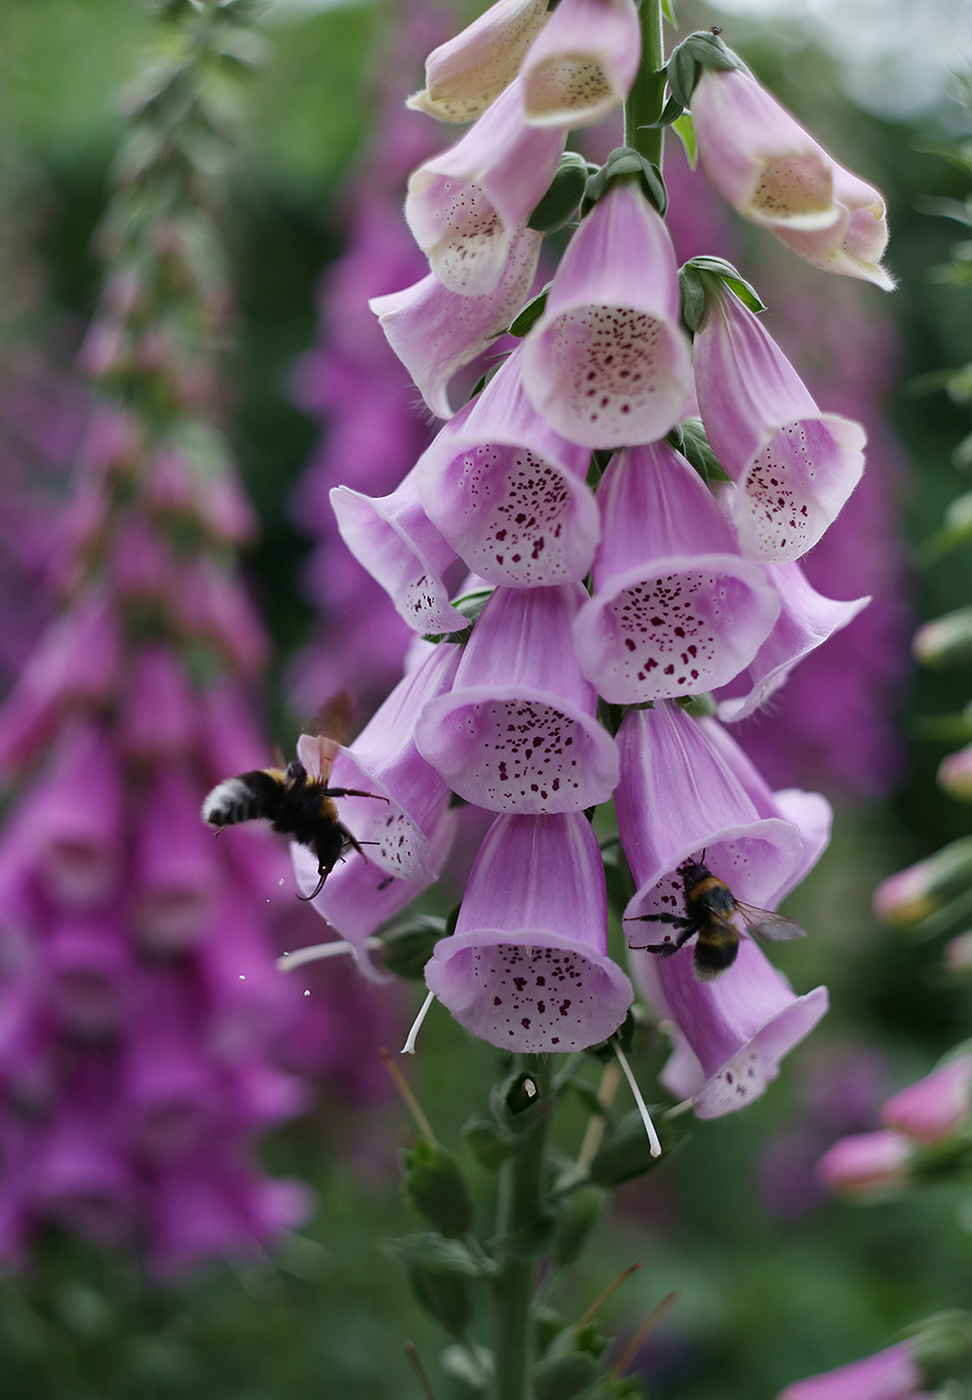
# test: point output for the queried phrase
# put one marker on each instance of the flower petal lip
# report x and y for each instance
(465, 205)
(466, 73)
(583, 63)
(608, 364)
(527, 968)
(759, 157)
(794, 467)
(892, 1374)
(806, 620)
(435, 332)
(508, 492)
(855, 244)
(393, 538)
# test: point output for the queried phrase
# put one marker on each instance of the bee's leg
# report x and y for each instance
(351, 840)
(353, 792)
(686, 927)
(663, 918)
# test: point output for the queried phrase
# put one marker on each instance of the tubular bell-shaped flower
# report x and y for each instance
(466, 73)
(892, 1374)
(407, 837)
(934, 1107)
(793, 466)
(675, 610)
(518, 731)
(394, 539)
(583, 63)
(774, 173)
(465, 206)
(806, 620)
(608, 363)
(527, 968)
(729, 1034)
(508, 492)
(434, 332)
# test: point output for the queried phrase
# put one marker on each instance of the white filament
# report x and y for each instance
(288, 961)
(654, 1146)
(409, 1047)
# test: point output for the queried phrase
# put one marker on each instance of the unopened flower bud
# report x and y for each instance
(947, 641)
(934, 1107)
(955, 774)
(914, 894)
(866, 1165)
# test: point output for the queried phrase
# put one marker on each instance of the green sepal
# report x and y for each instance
(559, 205)
(701, 51)
(695, 282)
(530, 315)
(471, 1365)
(690, 439)
(490, 1143)
(548, 1325)
(670, 114)
(470, 605)
(610, 716)
(702, 706)
(668, 10)
(408, 947)
(562, 1377)
(435, 1188)
(526, 1243)
(578, 1216)
(433, 1252)
(623, 1036)
(513, 1105)
(625, 163)
(587, 1095)
(941, 1344)
(623, 1153)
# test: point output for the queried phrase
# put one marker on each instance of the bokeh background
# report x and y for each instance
(775, 1280)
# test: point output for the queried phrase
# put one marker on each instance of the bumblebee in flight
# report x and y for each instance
(297, 800)
(713, 912)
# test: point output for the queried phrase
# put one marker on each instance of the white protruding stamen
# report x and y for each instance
(654, 1146)
(288, 961)
(409, 1047)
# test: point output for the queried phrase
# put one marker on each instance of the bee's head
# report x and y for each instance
(693, 871)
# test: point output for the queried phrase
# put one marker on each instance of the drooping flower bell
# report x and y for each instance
(892, 1374)
(582, 64)
(466, 73)
(675, 610)
(466, 205)
(793, 466)
(527, 968)
(608, 363)
(509, 493)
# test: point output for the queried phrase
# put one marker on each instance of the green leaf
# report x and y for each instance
(530, 1241)
(695, 448)
(530, 314)
(562, 1377)
(409, 946)
(578, 1216)
(432, 1252)
(434, 1186)
(668, 10)
(685, 131)
(560, 203)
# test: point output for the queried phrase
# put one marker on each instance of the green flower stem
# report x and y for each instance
(519, 1211)
(647, 96)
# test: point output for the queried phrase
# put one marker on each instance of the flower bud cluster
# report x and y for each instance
(142, 1014)
(631, 502)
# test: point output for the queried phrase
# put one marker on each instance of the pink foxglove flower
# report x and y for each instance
(675, 610)
(527, 968)
(608, 363)
(394, 539)
(774, 173)
(509, 493)
(518, 731)
(806, 620)
(793, 466)
(729, 1035)
(407, 838)
(583, 63)
(934, 1107)
(867, 1164)
(466, 73)
(465, 206)
(434, 332)
(887, 1375)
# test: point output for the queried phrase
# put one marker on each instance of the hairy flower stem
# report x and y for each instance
(518, 1212)
(646, 99)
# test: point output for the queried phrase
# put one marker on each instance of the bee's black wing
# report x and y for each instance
(334, 719)
(245, 798)
(767, 927)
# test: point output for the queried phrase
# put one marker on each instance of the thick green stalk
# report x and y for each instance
(647, 96)
(519, 1210)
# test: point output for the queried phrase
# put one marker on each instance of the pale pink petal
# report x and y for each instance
(583, 63)
(465, 74)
